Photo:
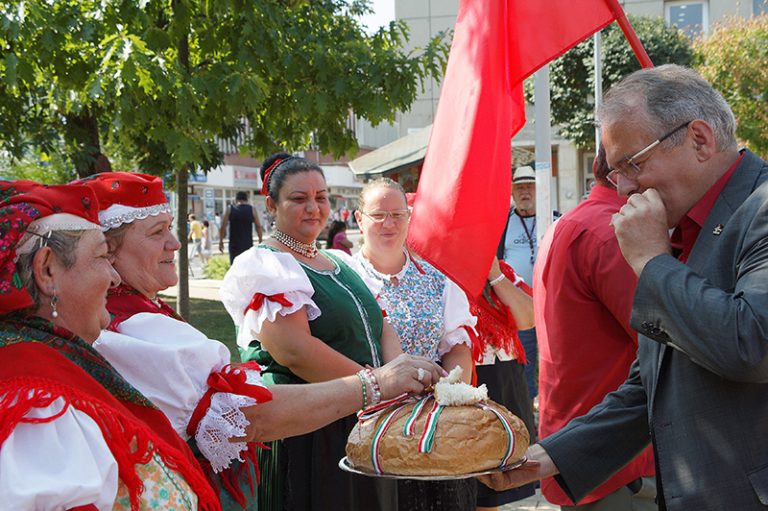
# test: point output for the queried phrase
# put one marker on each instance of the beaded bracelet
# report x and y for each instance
(364, 388)
(375, 388)
(497, 279)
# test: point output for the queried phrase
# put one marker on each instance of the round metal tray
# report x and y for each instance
(345, 465)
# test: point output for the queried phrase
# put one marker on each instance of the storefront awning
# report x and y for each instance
(398, 155)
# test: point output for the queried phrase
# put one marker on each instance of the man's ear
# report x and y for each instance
(704, 140)
(44, 269)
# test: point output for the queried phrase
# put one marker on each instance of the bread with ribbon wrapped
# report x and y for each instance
(451, 431)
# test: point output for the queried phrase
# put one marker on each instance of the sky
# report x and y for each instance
(384, 12)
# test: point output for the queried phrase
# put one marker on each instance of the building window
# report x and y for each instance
(690, 17)
(759, 7)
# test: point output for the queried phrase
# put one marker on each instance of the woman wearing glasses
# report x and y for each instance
(305, 316)
(429, 313)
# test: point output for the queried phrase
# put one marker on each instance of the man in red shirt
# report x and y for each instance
(583, 291)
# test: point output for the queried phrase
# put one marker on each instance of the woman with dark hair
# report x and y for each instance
(337, 237)
(305, 316)
(73, 433)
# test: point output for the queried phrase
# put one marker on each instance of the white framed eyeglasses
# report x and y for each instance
(629, 167)
(397, 215)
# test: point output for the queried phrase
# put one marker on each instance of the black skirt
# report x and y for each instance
(507, 386)
(302, 474)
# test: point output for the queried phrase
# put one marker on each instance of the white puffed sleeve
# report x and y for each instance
(277, 277)
(57, 465)
(456, 317)
(169, 361)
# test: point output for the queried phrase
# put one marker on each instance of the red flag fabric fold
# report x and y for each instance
(464, 188)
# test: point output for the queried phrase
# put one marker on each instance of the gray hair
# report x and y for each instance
(666, 97)
(115, 238)
(376, 183)
(63, 244)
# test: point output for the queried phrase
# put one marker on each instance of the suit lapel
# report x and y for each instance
(736, 191)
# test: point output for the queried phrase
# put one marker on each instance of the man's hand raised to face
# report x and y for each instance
(641, 228)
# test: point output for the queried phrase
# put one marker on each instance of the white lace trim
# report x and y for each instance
(42, 227)
(117, 214)
(222, 421)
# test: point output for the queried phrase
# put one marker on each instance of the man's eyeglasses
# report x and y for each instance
(629, 168)
(398, 215)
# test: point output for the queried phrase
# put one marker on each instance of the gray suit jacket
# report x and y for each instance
(699, 386)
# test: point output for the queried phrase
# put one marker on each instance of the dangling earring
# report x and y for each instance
(54, 301)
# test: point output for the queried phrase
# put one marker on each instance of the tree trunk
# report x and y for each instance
(182, 177)
(182, 297)
(82, 136)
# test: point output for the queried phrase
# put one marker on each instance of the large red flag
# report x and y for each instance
(464, 188)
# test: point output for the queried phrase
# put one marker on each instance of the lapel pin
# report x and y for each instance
(718, 229)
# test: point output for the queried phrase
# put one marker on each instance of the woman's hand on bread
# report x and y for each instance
(407, 373)
(538, 466)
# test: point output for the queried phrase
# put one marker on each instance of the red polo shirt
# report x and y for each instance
(582, 295)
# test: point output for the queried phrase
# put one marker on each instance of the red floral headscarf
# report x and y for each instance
(29, 209)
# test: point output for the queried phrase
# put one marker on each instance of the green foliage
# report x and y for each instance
(572, 75)
(37, 166)
(155, 82)
(733, 58)
(217, 267)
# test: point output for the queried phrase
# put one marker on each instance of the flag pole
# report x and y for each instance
(629, 33)
(598, 85)
(543, 164)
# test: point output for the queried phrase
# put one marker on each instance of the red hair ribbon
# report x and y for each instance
(265, 183)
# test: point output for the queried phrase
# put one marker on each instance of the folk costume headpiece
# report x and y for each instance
(125, 197)
(268, 173)
(29, 213)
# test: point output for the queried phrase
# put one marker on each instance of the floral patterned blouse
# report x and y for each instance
(429, 312)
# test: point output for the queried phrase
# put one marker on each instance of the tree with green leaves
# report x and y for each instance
(157, 82)
(733, 58)
(572, 81)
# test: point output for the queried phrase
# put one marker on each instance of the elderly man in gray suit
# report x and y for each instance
(699, 387)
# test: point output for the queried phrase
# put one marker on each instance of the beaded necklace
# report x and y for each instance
(306, 249)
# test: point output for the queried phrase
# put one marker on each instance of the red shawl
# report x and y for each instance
(33, 375)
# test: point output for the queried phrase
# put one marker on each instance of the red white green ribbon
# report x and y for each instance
(426, 442)
(410, 424)
(430, 426)
(379, 435)
(510, 434)
(374, 411)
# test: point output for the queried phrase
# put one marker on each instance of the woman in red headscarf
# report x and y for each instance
(73, 433)
(187, 375)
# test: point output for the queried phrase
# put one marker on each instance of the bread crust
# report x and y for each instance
(467, 439)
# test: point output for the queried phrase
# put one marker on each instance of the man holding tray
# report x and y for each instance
(698, 389)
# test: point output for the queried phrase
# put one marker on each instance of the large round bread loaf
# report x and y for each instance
(467, 439)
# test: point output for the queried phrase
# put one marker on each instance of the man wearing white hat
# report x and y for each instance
(519, 248)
